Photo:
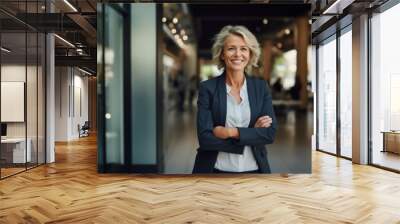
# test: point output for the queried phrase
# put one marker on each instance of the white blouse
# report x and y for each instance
(237, 115)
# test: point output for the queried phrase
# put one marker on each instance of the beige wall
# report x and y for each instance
(71, 102)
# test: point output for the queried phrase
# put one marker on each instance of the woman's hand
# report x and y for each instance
(263, 122)
(224, 133)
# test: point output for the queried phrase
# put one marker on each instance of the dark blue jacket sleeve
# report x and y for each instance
(260, 136)
(205, 126)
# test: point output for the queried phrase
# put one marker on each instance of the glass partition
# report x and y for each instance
(22, 88)
(15, 151)
(41, 106)
(143, 26)
(31, 98)
(113, 68)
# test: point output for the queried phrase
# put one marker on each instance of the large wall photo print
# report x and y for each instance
(204, 88)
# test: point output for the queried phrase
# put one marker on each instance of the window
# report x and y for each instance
(346, 93)
(385, 88)
(327, 96)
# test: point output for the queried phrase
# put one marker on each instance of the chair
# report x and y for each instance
(84, 130)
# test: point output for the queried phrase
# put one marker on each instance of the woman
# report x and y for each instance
(235, 118)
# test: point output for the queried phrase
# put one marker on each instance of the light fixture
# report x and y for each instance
(337, 7)
(185, 37)
(70, 5)
(43, 7)
(310, 21)
(176, 36)
(170, 25)
(79, 51)
(108, 116)
(173, 31)
(287, 31)
(64, 40)
(265, 21)
(5, 50)
(183, 32)
(175, 20)
(164, 19)
(84, 71)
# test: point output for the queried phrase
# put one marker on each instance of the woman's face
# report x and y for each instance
(236, 53)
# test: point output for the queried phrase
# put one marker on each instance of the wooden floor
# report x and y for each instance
(71, 191)
(387, 159)
(10, 171)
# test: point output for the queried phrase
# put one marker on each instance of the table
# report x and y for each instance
(16, 147)
(391, 141)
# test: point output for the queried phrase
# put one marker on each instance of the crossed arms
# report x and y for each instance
(233, 140)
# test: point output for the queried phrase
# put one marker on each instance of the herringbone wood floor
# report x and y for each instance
(71, 191)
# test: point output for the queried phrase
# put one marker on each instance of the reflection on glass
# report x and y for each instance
(14, 148)
(345, 94)
(385, 88)
(327, 97)
(113, 85)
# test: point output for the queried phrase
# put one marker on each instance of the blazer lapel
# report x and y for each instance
(252, 100)
(222, 99)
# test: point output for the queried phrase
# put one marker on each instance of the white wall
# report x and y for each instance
(16, 73)
(32, 105)
(71, 87)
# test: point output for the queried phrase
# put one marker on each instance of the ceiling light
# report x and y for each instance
(185, 37)
(175, 20)
(287, 31)
(173, 31)
(5, 50)
(176, 36)
(43, 7)
(170, 25)
(265, 21)
(183, 32)
(65, 41)
(70, 5)
(164, 19)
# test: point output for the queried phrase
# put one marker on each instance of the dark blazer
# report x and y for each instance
(212, 112)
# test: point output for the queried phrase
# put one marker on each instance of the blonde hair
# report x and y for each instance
(248, 37)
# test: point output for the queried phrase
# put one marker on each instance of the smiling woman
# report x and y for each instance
(232, 128)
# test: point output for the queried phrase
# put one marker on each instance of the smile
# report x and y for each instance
(237, 61)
